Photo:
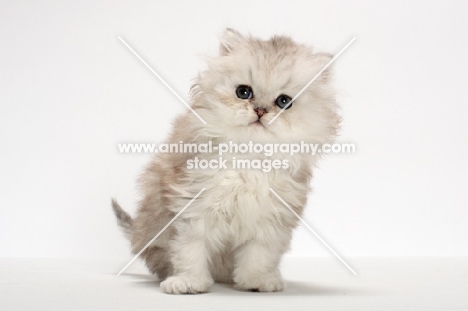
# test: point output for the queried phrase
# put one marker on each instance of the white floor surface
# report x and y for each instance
(311, 284)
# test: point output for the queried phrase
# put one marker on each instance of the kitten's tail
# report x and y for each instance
(123, 218)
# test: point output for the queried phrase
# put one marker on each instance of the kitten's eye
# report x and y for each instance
(282, 101)
(244, 92)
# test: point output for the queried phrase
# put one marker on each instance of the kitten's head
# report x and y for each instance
(251, 80)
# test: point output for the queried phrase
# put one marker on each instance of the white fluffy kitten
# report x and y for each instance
(237, 230)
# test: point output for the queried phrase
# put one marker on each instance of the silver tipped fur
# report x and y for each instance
(238, 230)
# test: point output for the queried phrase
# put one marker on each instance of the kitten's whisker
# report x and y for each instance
(313, 232)
(160, 232)
(313, 79)
(161, 79)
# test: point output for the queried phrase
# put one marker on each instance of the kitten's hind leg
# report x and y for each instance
(257, 263)
(157, 262)
(222, 266)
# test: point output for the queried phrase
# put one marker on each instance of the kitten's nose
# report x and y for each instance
(260, 112)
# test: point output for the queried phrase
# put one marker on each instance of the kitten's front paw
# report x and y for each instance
(184, 285)
(264, 283)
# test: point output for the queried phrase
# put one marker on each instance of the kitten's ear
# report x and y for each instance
(231, 39)
(322, 59)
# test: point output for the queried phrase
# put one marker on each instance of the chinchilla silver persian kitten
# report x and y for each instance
(236, 231)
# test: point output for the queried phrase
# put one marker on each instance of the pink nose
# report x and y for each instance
(260, 112)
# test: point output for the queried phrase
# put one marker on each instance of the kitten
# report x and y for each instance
(237, 230)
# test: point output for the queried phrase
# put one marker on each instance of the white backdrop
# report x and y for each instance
(70, 91)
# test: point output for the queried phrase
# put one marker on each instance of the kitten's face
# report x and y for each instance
(252, 80)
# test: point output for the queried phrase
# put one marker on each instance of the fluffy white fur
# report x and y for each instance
(237, 230)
